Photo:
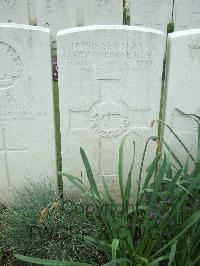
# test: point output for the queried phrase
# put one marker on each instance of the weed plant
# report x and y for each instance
(162, 228)
(42, 226)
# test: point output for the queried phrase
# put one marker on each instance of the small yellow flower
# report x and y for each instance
(43, 215)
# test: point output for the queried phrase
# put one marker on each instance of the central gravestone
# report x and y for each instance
(27, 141)
(110, 83)
(154, 14)
(56, 14)
(187, 14)
(15, 11)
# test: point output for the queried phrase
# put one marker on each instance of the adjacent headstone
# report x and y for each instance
(56, 14)
(32, 12)
(187, 14)
(110, 84)
(183, 92)
(27, 142)
(102, 12)
(15, 11)
(154, 14)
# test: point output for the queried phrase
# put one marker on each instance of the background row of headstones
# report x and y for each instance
(109, 84)
(61, 14)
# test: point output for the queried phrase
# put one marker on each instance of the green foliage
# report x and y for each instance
(170, 27)
(163, 224)
(64, 263)
(58, 137)
(126, 16)
(40, 225)
(6, 258)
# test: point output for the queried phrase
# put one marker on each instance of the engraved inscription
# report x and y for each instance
(8, 4)
(109, 119)
(111, 57)
(103, 7)
(194, 53)
(18, 107)
(10, 66)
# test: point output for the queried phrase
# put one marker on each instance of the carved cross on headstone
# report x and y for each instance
(6, 151)
(109, 117)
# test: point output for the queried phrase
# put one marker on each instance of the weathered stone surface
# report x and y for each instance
(183, 92)
(15, 11)
(56, 15)
(187, 14)
(110, 84)
(27, 141)
(151, 13)
(101, 12)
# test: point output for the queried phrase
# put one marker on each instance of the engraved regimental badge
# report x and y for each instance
(10, 66)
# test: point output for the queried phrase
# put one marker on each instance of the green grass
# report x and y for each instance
(6, 257)
(58, 135)
(57, 234)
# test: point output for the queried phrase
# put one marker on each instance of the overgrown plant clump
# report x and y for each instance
(162, 228)
(41, 225)
(6, 259)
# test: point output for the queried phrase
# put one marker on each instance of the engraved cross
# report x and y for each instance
(6, 150)
(108, 92)
(109, 117)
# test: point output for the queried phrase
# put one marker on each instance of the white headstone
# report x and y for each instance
(32, 12)
(154, 14)
(110, 84)
(27, 142)
(102, 12)
(15, 11)
(183, 91)
(56, 14)
(187, 14)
